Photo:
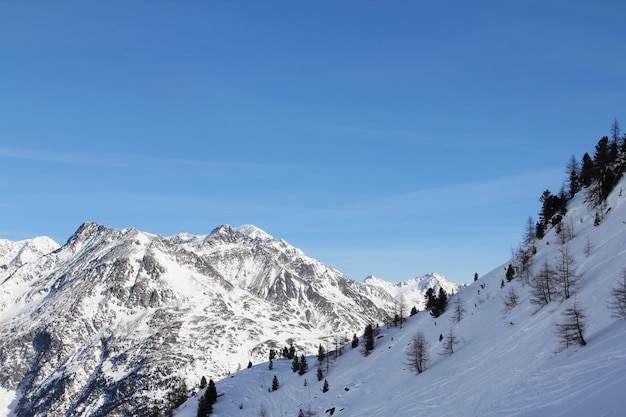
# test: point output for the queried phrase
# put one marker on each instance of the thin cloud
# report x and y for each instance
(139, 162)
(458, 197)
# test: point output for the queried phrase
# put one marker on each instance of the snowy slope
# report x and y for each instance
(506, 364)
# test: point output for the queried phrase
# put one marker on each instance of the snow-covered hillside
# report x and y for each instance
(115, 320)
(506, 363)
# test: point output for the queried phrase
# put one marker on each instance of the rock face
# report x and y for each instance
(116, 322)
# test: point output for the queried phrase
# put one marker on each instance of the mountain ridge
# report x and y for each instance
(113, 312)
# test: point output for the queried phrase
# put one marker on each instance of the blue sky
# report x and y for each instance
(386, 138)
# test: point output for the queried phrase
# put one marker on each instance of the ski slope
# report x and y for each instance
(505, 364)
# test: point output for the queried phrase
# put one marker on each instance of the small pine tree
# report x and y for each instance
(431, 299)
(211, 393)
(321, 353)
(448, 343)
(292, 352)
(275, 383)
(320, 373)
(304, 366)
(368, 337)
(458, 311)
(206, 401)
(540, 230)
(510, 273)
(441, 303)
(203, 407)
(414, 311)
(355, 341)
(295, 364)
(203, 382)
(325, 387)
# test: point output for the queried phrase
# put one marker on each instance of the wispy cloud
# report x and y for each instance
(139, 162)
(458, 197)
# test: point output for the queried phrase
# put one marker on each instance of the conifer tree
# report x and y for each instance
(204, 409)
(320, 373)
(510, 273)
(617, 302)
(304, 366)
(206, 401)
(448, 343)
(292, 352)
(414, 311)
(511, 300)
(321, 353)
(572, 328)
(540, 230)
(295, 364)
(368, 340)
(418, 353)
(275, 383)
(587, 171)
(543, 286)
(601, 158)
(431, 299)
(325, 387)
(355, 341)
(203, 382)
(566, 272)
(573, 170)
(441, 302)
(458, 311)
(211, 393)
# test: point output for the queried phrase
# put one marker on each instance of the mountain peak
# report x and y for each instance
(253, 232)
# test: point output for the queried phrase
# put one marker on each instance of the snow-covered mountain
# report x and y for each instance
(15, 254)
(508, 360)
(413, 290)
(115, 322)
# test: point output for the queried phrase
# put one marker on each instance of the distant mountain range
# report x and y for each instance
(115, 322)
